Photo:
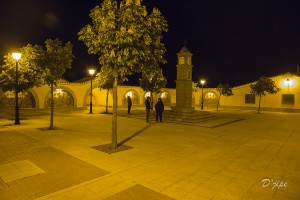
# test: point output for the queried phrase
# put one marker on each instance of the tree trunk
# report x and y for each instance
(114, 142)
(106, 110)
(218, 102)
(52, 108)
(151, 100)
(259, 104)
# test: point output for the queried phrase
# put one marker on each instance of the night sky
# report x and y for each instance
(232, 42)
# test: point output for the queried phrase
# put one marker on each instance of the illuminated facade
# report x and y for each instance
(77, 95)
(287, 99)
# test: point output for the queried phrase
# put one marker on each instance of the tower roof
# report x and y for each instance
(184, 50)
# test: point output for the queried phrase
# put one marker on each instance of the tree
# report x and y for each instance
(55, 59)
(262, 87)
(106, 81)
(29, 74)
(195, 87)
(20, 78)
(224, 90)
(127, 40)
(152, 82)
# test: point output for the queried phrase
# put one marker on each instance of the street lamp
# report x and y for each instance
(91, 72)
(16, 57)
(202, 83)
(288, 84)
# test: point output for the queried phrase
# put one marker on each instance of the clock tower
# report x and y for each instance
(184, 82)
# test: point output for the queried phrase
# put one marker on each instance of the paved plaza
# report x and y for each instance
(224, 155)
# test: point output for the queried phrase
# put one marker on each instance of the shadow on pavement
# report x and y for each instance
(106, 148)
(134, 135)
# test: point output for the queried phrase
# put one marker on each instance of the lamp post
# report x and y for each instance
(16, 57)
(202, 83)
(91, 72)
(288, 84)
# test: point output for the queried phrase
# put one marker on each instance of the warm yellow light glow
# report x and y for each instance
(16, 56)
(148, 94)
(210, 95)
(58, 91)
(288, 82)
(129, 94)
(163, 95)
(91, 71)
(202, 82)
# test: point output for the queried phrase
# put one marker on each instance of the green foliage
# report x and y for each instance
(55, 59)
(29, 73)
(106, 80)
(36, 66)
(125, 37)
(224, 89)
(195, 87)
(153, 81)
(127, 40)
(264, 86)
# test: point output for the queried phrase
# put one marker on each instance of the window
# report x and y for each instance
(181, 60)
(288, 99)
(249, 99)
(189, 60)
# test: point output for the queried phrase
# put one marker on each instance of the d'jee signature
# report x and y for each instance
(276, 183)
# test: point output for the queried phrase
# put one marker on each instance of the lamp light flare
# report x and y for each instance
(16, 56)
(202, 100)
(92, 71)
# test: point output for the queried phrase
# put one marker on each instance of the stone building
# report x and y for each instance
(76, 95)
(287, 99)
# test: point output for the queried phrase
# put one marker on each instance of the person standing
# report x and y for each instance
(159, 107)
(148, 108)
(129, 102)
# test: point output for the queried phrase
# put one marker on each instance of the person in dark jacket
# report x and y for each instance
(129, 102)
(159, 107)
(148, 108)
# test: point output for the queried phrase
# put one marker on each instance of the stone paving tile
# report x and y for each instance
(201, 192)
(235, 189)
(163, 182)
(226, 162)
(180, 189)
(3, 185)
(61, 170)
(138, 192)
(279, 195)
(18, 170)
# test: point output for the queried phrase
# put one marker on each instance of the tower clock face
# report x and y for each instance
(181, 60)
